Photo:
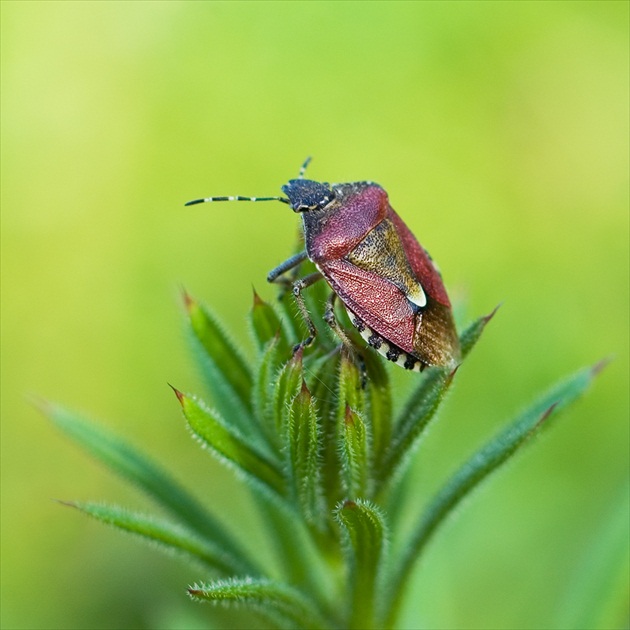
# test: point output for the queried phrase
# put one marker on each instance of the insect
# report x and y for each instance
(386, 280)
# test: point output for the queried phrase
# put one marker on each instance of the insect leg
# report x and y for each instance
(331, 320)
(298, 287)
(282, 268)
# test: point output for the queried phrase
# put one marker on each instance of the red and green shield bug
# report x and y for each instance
(386, 280)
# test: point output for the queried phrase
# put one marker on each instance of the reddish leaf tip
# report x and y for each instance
(349, 415)
(304, 390)
(43, 405)
(71, 504)
(546, 414)
(600, 365)
(452, 373)
(179, 394)
(188, 300)
(488, 317)
(258, 301)
(298, 355)
(349, 505)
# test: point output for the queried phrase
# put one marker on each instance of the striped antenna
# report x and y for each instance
(307, 161)
(239, 198)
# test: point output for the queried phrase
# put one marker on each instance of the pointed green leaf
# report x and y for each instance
(433, 377)
(470, 336)
(229, 445)
(324, 374)
(364, 529)
(287, 386)
(128, 462)
(432, 381)
(420, 409)
(351, 392)
(276, 602)
(167, 535)
(266, 375)
(379, 405)
(226, 371)
(355, 460)
(304, 451)
(266, 325)
(488, 459)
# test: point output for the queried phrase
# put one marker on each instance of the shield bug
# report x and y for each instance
(386, 280)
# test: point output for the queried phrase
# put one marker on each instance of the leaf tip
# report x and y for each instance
(188, 300)
(194, 593)
(179, 394)
(71, 504)
(452, 373)
(298, 354)
(488, 317)
(41, 404)
(258, 301)
(546, 415)
(349, 505)
(349, 416)
(601, 365)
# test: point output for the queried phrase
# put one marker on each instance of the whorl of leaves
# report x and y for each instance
(314, 436)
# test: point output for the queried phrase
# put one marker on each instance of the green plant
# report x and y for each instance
(326, 459)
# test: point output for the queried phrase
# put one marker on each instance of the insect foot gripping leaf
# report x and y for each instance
(387, 282)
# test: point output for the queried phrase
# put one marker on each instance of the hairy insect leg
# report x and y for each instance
(331, 319)
(298, 287)
(285, 282)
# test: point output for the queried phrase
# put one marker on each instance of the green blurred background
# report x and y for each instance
(500, 130)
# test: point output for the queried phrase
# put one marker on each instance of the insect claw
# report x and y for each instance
(303, 344)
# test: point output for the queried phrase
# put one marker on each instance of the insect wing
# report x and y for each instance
(420, 261)
(436, 335)
(378, 303)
